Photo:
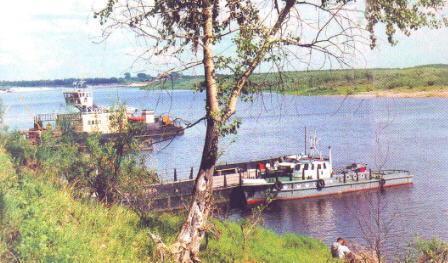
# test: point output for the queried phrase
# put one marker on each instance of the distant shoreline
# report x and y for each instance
(401, 92)
(395, 94)
(398, 94)
(422, 92)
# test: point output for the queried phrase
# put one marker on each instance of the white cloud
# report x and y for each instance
(53, 39)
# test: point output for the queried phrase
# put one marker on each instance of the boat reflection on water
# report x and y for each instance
(329, 217)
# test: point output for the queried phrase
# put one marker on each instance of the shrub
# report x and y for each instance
(432, 250)
(44, 223)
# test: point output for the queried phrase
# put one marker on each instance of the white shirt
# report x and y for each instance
(335, 249)
(343, 251)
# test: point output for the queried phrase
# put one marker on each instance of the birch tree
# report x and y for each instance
(228, 40)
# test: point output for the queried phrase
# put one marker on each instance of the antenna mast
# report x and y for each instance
(305, 140)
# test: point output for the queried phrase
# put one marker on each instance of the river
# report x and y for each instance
(394, 133)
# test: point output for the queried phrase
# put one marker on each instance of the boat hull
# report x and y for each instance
(300, 189)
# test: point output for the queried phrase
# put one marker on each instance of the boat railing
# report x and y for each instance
(222, 178)
(45, 117)
(394, 171)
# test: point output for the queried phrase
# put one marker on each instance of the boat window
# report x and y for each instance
(325, 166)
(297, 167)
(305, 167)
(312, 166)
(319, 167)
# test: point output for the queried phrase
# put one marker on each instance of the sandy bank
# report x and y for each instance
(404, 94)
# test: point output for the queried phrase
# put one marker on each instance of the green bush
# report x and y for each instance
(433, 250)
(41, 222)
(53, 227)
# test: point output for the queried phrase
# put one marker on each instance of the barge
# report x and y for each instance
(87, 118)
(311, 175)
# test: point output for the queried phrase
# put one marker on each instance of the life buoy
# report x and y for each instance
(320, 184)
(278, 185)
(382, 182)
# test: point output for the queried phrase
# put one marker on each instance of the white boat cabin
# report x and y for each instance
(310, 166)
(307, 167)
(80, 97)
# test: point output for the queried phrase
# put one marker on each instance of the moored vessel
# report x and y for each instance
(312, 175)
(86, 118)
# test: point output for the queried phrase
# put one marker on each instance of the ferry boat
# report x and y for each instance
(87, 118)
(312, 175)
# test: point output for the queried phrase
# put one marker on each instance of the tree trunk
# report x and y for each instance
(193, 230)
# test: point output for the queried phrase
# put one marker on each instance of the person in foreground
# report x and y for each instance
(340, 250)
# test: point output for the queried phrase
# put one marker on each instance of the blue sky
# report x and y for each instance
(47, 39)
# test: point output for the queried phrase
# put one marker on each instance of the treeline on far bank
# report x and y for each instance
(333, 82)
(355, 81)
(313, 82)
(61, 82)
(68, 82)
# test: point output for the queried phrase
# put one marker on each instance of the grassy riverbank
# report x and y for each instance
(420, 81)
(44, 218)
(42, 222)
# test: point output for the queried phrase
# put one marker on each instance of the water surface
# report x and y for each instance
(391, 133)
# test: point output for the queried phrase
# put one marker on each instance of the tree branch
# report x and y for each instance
(231, 104)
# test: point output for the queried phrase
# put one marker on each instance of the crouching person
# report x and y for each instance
(340, 250)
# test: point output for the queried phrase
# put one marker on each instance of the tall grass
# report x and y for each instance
(42, 222)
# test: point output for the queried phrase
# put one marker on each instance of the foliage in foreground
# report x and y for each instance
(42, 218)
(424, 251)
(43, 222)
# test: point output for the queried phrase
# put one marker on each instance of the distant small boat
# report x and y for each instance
(6, 90)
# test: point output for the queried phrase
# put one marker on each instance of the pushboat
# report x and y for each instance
(88, 117)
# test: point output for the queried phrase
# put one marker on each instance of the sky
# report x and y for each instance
(49, 39)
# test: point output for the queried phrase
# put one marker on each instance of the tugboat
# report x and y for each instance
(90, 118)
(312, 175)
